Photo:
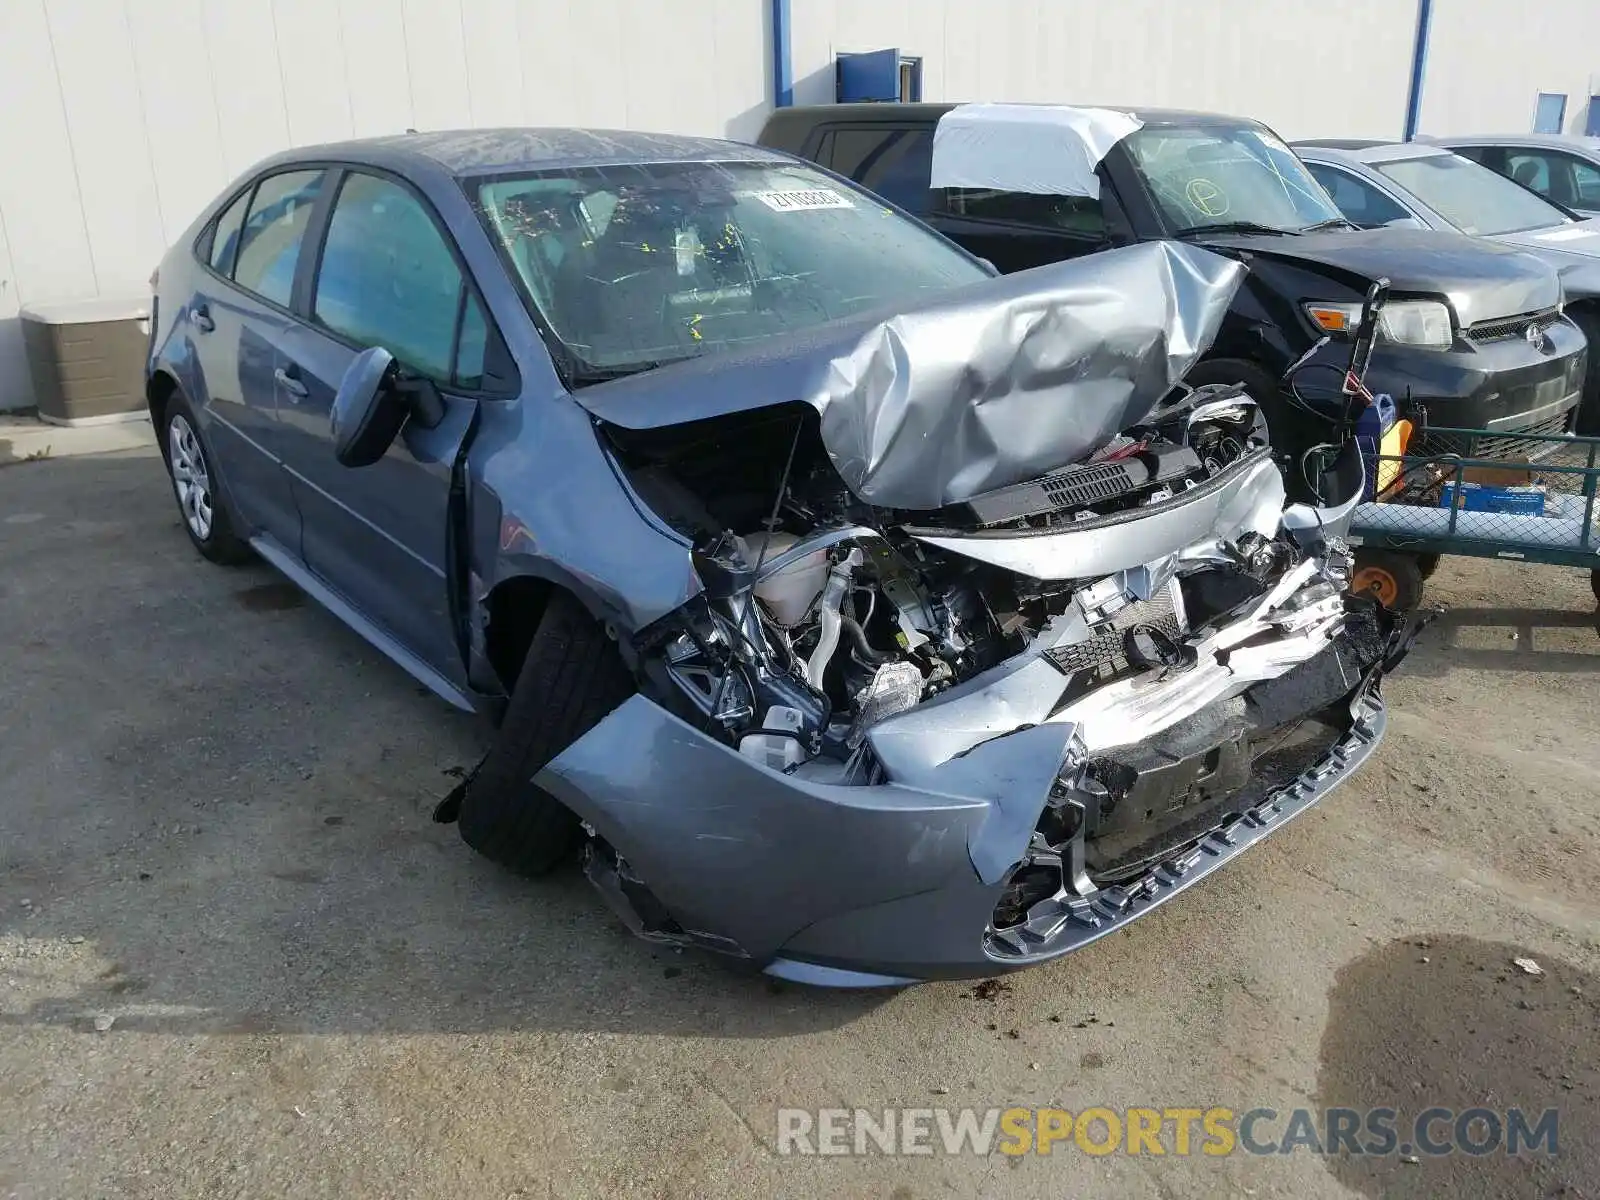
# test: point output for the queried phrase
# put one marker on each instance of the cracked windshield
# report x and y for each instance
(1218, 178)
(634, 266)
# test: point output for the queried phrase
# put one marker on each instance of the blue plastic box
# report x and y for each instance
(1481, 497)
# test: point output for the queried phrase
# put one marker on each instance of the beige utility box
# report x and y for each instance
(87, 359)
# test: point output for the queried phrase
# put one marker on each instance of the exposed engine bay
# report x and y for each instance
(827, 616)
(830, 630)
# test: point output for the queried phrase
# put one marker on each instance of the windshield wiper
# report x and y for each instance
(1330, 223)
(585, 375)
(1235, 227)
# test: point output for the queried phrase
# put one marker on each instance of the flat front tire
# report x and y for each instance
(572, 678)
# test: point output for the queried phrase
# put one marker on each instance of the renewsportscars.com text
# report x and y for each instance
(1215, 1131)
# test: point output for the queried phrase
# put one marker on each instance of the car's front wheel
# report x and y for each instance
(572, 678)
(194, 485)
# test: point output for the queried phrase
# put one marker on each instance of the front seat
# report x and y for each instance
(617, 290)
(1527, 174)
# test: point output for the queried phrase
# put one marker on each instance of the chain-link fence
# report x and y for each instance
(1464, 491)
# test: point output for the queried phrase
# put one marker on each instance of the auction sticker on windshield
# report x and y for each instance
(810, 198)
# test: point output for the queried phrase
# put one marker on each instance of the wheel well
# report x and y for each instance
(512, 611)
(1217, 359)
(157, 392)
(1586, 312)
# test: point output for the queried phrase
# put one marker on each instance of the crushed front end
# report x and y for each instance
(934, 712)
(876, 751)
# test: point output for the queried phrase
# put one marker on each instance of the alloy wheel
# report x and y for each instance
(190, 479)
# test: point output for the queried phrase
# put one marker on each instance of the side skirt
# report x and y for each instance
(314, 586)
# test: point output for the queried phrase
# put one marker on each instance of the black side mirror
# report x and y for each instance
(372, 404)
(367, 411)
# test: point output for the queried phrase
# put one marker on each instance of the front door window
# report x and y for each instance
(389, 279)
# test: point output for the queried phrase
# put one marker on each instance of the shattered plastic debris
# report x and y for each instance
(1527, 966)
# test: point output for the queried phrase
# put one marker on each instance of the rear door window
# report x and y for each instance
(225, 236)
(1585, 183)
(388, 278)
(895, 163)
(1573, 181)
(1067, 214)
(269, 242)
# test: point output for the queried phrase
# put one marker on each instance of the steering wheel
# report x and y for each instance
(1206, 198)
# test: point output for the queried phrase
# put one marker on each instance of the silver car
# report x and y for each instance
(1421, 184)
(1561, 167)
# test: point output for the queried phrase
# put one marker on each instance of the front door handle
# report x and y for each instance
(202, 319)
(290, 384)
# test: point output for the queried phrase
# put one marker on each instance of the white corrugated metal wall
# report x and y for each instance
(120, 118)
(1303, 66)
(1484, 72)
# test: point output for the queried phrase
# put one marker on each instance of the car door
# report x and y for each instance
(1011, 230)
(237, 317)
(380, 536)
(1585, 184)
(1573, 182)
(892, 160)
(1018, 230)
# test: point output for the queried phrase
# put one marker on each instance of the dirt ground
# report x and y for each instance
(237, 959)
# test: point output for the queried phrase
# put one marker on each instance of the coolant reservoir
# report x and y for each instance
(787, 593)
(777, 743)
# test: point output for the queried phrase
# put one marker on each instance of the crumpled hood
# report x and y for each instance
(1483, 281)
(984, 386)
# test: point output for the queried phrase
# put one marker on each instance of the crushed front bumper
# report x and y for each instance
(895, 877)
(1053, 929)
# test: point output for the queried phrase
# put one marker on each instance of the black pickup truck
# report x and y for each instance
(1473, 337)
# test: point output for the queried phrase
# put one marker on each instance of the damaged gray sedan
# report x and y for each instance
(856, 613)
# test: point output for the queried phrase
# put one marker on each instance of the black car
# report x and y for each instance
(1474, 336)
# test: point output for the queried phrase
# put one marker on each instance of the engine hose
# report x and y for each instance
(833, 594)
(865, 650)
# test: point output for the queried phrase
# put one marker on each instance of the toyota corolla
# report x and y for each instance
(846, 608)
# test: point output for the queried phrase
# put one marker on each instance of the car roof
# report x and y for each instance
(1555, 141)
(464, 152)
(1370, 153)
(1339, 143)
(810, 114)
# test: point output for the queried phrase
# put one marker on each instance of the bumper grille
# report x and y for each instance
(1512, 327)
(1501, 445)
(1105, 654)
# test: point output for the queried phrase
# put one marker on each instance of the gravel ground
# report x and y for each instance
(238, 959)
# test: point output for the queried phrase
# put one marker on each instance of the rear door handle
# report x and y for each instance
(202, 319)
(290, 384)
